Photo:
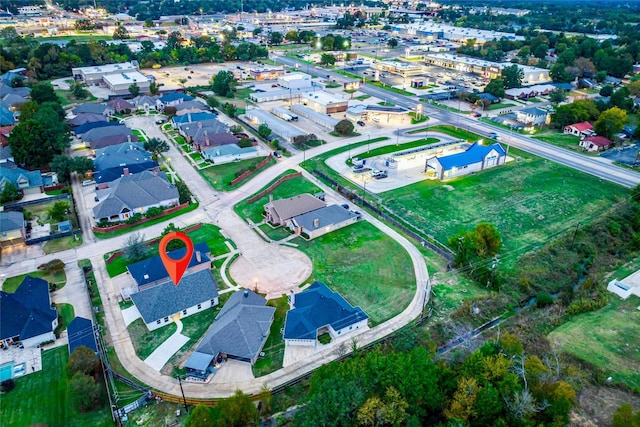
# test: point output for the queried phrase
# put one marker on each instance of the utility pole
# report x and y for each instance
(186, 409)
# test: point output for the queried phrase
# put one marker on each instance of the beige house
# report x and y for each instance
(282, 211)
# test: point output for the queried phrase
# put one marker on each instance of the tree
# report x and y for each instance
(327, 59)
(9, 193)
(83, 360)
(64, 165)
(59, 211)
(557, 96)
(213, 102)
(292, 36)
(237, 411)
(134, 89)
(578, 111)
(200, 416)
(134, 248)
(78, 89)
(607, 90)
(512, 76)
(488, 240)
(156, 146)
(7, 385)
(257, 31)
(634, 88)
(524, 52)
(36, 141)
(175, 243)
(388, 412)
(264, 130)
(85, 390)
(624, 417)
(275, 38)
(43, 92)
(223, 84)
(148, 23)
(184, 194)
(154, 89)
(393, 42)
(121, 33)
(495, 87)
(344, 127)
(462, 405)
(610, 122)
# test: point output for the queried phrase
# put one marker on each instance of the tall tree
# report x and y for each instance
(85, 390)
(134, 90)
(237, 411)
(121, 33)
(156, 146)
(43, 92)
(512, 76)
(223, 84)
(610, 122)
(200, 416)
(84, 361)
(495, 87)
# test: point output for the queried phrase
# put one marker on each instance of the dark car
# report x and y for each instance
(360, 123)
(346, 206)
(277, 154)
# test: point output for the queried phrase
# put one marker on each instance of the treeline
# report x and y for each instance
(49, 60)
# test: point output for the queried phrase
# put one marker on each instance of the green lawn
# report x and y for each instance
(290, 188)
(208, 233)
(62, 244)
(529, 201)
(607, 338)
(220, 176)
(570, 142)
(365, 266)
(44, 398)
(500, 106)
(11, 283)
(362, 97)
(146, 341)
(274, 347)
(278, 233)
(66, 314)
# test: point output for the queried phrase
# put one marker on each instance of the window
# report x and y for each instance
(184, 312)
(199, 306)
(157, 322)
(166, 319)
(213, 302)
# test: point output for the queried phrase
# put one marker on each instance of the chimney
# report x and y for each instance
(125, 171)
(316, 222)
(198, 256)
(246, 293)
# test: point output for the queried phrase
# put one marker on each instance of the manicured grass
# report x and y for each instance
(570, 142)
(66, 314)
(11, 283)
(387, 104)
(391, 88)
(368, 268)
(146, 341)
(275, 233)
(220, 176)
(607, 338)
(290, 188)
(44, 398)
(197, 157)
(415, 121)
(499, 106)
(362, 97)
(529, 201)
(274, 347)
(62, 244)
(208, 233)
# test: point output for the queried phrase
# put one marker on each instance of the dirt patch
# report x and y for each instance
(597, 405)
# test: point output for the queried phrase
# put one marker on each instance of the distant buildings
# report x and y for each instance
(117, 77)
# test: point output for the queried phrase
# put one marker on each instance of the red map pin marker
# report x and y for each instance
(175, 267)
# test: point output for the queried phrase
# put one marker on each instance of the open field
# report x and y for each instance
(607, 338)
(570, 142)
(365, 266)
(208, 233)
(44, 398)
(529, 201)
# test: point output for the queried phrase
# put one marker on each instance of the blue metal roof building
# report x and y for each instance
(475, 158)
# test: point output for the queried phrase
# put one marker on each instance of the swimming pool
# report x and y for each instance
(6, 371)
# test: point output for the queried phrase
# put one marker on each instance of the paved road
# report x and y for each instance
(599, 167)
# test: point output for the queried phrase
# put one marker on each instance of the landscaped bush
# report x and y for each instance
(153, 212)
(7, 385)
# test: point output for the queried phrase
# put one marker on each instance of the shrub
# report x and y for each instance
(153, 212)
(544, 299)
(7, 385)
(344, 127)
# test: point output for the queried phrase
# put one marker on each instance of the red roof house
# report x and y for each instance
(595, 143)
(579, 129)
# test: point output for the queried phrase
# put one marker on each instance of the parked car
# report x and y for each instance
(360, 123)
(277, 154)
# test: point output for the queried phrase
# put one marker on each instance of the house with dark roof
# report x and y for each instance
(27, 182)
(204, 139)
(13, 101)
(318, 310)
(114, 161)
(160, 305)
(7, 117)
(6, 155)
(132, 194)
(282, 211)
(111, 140)
(12, 228)
(322, 221)
(475, 158)
(152, 272)
(80, 130)
(85, 118)
(238, 332)
(195, 130)
(82, 334)
(194, 106)
(488, 97)
(101, 132)
(145, 102)
(26, 316)
(88, 107)
(176, 121)
(119, 105)
(595, 143)
(579, 129)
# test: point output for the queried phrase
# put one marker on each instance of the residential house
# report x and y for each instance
(12, 101)
(90, 108)
(319, 310)
(475, 158)
(595, 143)
(163, 304)
(229, 153)
(112, 140)
(191, 107)
(7, 117)
(152, 272)
(119, 105)
(80, 130)
(145, 102)
(26, 316)
(282, 211)
(172, 99)
(5, 131)
(322, 221)
(531, 117)
(12, 228)
(84, 118)
(5, 154)
(81, 333)
(134, 194)
(177, 121)
(105, 131)
(488, 97)
(27, 182)
(122, 159)
(238, 332)
(203, 139)
(579, 129)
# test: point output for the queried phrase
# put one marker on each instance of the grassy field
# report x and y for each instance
(11, 283)
(146, 341)
(607, 338)
(44, 398)
(274, 347)
(208, 233)
(529, 201)
(220, 176)
(289, 188)
(500, 106)
(570, 142)
(365, 266)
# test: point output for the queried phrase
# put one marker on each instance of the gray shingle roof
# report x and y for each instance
(241, 327)
(211, 126)
(168, 299)
(10, 221)
(131, 192)
(91, 108)
(294, 206)
(323, 217)
(102, 132)
(120, 155)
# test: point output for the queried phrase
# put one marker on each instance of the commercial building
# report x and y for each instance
(94, 75)
(119, 83)
(324, 102)
(266, 73)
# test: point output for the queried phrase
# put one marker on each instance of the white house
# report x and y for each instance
(475, 158)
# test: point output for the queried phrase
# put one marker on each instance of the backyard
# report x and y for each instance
(11, 283)
(44, 398)
(220, 176)
(274, 347)
(146, 341)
